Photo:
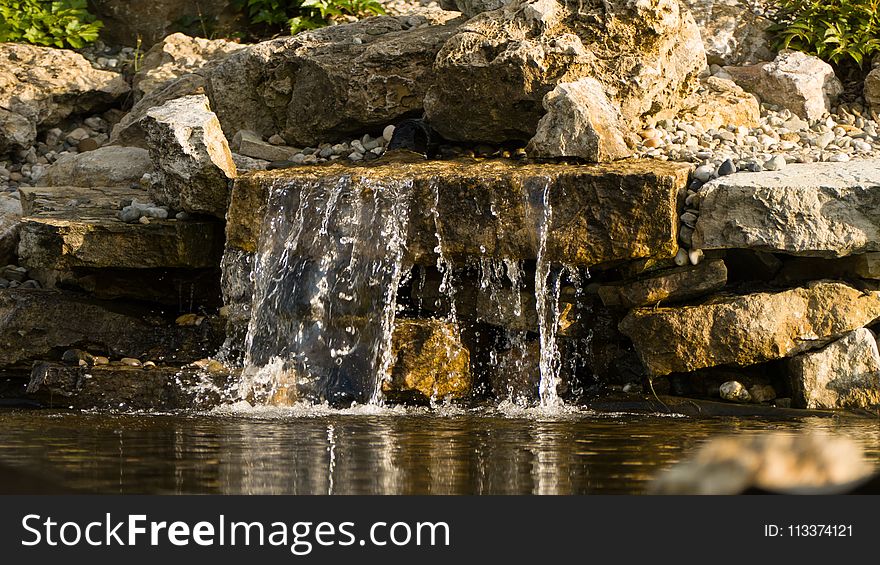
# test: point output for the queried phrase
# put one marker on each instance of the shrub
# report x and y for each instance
(60, 23)
(837, 31)
(294, 16)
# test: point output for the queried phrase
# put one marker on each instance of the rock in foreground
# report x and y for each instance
(750, 329)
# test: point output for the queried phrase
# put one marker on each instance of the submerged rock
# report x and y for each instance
(818, 210)
(191, 155)
(844, 374)
(428, 362)
(749, 329)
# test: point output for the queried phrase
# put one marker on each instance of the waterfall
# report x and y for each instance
(329, 262)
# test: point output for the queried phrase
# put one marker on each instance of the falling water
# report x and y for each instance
(329, 258)
(444, 263)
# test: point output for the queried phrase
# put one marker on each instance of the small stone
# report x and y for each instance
(155, 212)
(89, 144)
(144, 220)
(762, 393)
(388, 133)
(681, 257)
(188, 320)
(734, 391)
(31, 284)
(131, 362)
(695, 256)
(99, 360)
(704, 172)
(838, 158)
(77, 357)
(276, 139)
(775, 163)
(782, 403)
(182, 216)
(726, 168)
(149, 365)
(78, 135)
(689, 218)
(355, 156)
(130, 214)
(14, 273)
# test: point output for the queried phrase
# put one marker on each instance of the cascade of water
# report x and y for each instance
(329, 257)
(547, 288)
(444, 264)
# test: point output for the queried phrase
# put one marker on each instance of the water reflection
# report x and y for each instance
(368, 454)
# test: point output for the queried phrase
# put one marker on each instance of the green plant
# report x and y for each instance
(837, 31)
(60, 23)
(294, 16)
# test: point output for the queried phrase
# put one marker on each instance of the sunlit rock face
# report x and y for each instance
(491, 76)
(315, 255)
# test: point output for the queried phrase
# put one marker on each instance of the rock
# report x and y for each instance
(39, 324)
(177, 55)
(191, 155)
(244, 164)
(10, 222)
(471, 8)
(77, 357)
(817, 209)
(429, 362)
(251, 145)
(774, 461)
(189, 320)
(123, 387)
(720, 103)
(41, 86)
(492, 75)
(580, 122)
(130, 362)
(804, 84)
(732, 33)
(762, 393)
(103, 167)
(734, 391)
(727, 168)
(67, 228)
(669, 285)
(749, 329)
(844, 374)
(143, 24)
(704, 172)
(871, 90)
(775, 163)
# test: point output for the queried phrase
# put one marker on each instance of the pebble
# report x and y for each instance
(734, 391)
(130, 214)
(131, 362)
(775, 163)
(182, 216)
(681, 257)
(276, 139)
(762, 393)
(695, 256)
(156, 212)
(726, 168)
(99, 360)
(388, 133)
(704, 172)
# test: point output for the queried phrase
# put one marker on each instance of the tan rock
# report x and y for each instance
(749, 329)
(721, 103)
(429, 362)
(844, 374)
(103, 167)
(667, 285)
(872, 90)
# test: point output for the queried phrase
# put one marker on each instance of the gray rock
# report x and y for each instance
(580, 122)
(105, 166)
(734, 391)
(817, 209)
(844, 374)
(10, 224)
(251, 145)
(188, 149)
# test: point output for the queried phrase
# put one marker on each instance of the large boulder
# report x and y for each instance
(317, 86)
(492, 75)
(191, 155)
(804, 84)
(733, 33)
(580, 122)
(106, 166)
(177, 55)
(749, 329)
(818, 209)
(844, 374)
(40, 86)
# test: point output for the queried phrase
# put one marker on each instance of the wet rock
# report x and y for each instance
(40, 86)
(749, 329)
(580, 122)
(734, 391)
(10, 222)
(804, 84)
(491, 76)
(732, 32)
(177, 55)
(121, 387)
(844, 374)
(668, 285)
(105, 166)
(818, 209)
(188, 149)
(41, 324)
(770, 461)
(66, 228)
(429, 362)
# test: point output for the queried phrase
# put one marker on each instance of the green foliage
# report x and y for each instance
(60, 23)
(837, 31)
(294, 16)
